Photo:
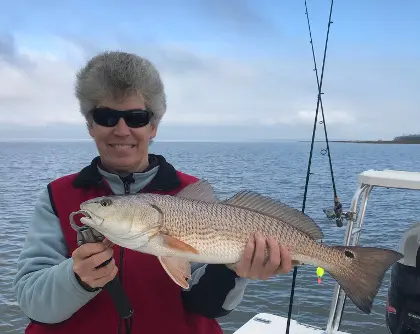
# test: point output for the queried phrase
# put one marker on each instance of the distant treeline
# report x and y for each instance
(407, 138)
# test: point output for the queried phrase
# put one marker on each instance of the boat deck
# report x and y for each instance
(273, 324)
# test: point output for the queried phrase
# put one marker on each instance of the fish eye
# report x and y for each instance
(105, 202)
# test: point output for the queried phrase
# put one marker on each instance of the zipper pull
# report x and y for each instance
(127, 180)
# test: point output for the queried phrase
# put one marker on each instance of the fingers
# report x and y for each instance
(244, 264)
(263, 258)
(102, 272)
(108, 243)
(100, 277)
(101, 282)
(286, 261)
(87, 261)
(257, 267)
(97, 259)
(275, 258)
(87, 250)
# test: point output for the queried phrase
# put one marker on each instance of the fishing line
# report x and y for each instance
(319, 102)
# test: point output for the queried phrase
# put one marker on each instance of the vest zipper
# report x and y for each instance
(127, 181)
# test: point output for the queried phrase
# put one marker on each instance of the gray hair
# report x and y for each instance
(117, 75)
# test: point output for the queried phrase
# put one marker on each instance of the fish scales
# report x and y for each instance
(210, 227)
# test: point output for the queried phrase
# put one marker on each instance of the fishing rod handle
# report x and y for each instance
(114, 287)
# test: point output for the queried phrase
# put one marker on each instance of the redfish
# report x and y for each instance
(194, 226)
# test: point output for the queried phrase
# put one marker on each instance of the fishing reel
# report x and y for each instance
(337, 213)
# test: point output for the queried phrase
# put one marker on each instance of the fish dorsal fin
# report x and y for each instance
(199, 191)
(278, 210)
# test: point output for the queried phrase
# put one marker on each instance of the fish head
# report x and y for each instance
(122, 219)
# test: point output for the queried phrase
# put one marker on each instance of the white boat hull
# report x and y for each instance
(266, 323)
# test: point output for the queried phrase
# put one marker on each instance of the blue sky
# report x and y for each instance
(247, 63)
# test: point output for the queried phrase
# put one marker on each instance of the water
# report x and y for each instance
(275, 169)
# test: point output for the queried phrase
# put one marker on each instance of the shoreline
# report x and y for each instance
(387, 142)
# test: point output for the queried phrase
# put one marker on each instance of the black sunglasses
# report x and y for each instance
(134, 118)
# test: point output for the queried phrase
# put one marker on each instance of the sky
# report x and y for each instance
(232, 70)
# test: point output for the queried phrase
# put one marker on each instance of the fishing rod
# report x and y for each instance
(337, 205)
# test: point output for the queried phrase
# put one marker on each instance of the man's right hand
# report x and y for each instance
(89, 256)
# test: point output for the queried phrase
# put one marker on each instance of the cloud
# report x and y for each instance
(334, 117)
(36, 88)
(237, 16)
(9, 53)
(361, 98)
(37, 97)
(201, 89)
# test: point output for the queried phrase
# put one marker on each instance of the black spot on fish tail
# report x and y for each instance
(361, 273)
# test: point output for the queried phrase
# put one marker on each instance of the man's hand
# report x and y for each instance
(90, 255)
(252, 264)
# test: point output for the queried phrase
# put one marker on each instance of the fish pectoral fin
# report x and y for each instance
(178, 269)
(177, 244)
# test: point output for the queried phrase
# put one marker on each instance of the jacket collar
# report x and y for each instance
(166, 178)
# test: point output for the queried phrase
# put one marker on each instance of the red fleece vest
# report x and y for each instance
(155, 298)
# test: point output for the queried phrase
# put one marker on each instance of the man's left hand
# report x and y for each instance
(252, 264)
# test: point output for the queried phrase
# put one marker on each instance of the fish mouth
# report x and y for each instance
(88, 218)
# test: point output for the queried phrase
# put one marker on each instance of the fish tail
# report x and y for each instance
(361, 276)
